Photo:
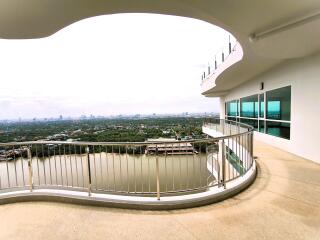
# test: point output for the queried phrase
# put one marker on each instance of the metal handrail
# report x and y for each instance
(224, 56)
(131, 168)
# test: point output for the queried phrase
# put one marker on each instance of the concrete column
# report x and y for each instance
(222, 108)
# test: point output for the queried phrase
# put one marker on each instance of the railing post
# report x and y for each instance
(29, 154)
(158, 174)
(89, 170)
(215, 63)
(251, 139)
(229, 45)
(223, 122)
(223, 163)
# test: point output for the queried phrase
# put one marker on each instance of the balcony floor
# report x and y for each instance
(283, 203)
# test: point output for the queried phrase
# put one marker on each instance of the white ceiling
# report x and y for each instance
(20, 19)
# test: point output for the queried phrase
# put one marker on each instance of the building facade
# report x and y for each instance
(283, 106)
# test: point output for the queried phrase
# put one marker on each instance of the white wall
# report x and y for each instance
(303, 75)
(222, 108)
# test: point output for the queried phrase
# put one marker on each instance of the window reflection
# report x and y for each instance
(278, 129)
(249, 106)
(232, 119)
(279, 103)
(261, 126)
(261, 96)
(272, 110)
(232, 108)
(251, 122)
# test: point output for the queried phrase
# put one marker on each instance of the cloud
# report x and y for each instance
(123, 63)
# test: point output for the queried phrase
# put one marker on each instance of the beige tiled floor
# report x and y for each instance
(283, 203)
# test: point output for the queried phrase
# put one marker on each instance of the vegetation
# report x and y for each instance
(103, 130)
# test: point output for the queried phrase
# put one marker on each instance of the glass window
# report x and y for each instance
(261, 97)
(249, 106)
(238, 106)
(279, 104)
(232, 119)
(261, 126)
(251, 122)
(232, 108)
(256, 109)
(278, 129)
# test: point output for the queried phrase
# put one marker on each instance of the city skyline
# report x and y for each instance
(118, 116)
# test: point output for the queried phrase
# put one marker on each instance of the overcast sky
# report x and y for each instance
(115, 64)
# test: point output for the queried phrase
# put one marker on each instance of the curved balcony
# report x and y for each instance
(223, 59)
(149, 175)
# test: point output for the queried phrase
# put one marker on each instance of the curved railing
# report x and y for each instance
(219, 58)
(155, 172)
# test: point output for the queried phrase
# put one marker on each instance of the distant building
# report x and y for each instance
(79, 131)
(172, 147)
(166, 131)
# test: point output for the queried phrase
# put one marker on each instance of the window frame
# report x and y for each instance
(260, 119)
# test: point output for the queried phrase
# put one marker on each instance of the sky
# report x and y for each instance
(110, 65)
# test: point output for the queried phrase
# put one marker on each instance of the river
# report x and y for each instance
(109, 172)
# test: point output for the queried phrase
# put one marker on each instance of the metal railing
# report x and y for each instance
(162, 168)
(220, 57)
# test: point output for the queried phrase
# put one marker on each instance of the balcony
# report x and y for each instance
(145, 175)
(282, 203)
(223, 59)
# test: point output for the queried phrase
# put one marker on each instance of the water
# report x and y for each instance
(110, 172)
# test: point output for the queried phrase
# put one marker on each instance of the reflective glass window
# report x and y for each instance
(279, 104)
(251, 122)
(249, 106)
(261, 98)
(232, 119)
(261, 126)
(238, 106)
(278, 129)
(232, 108)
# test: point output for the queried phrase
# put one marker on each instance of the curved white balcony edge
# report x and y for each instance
(225, 161)
(214, 194)
(210, 81)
